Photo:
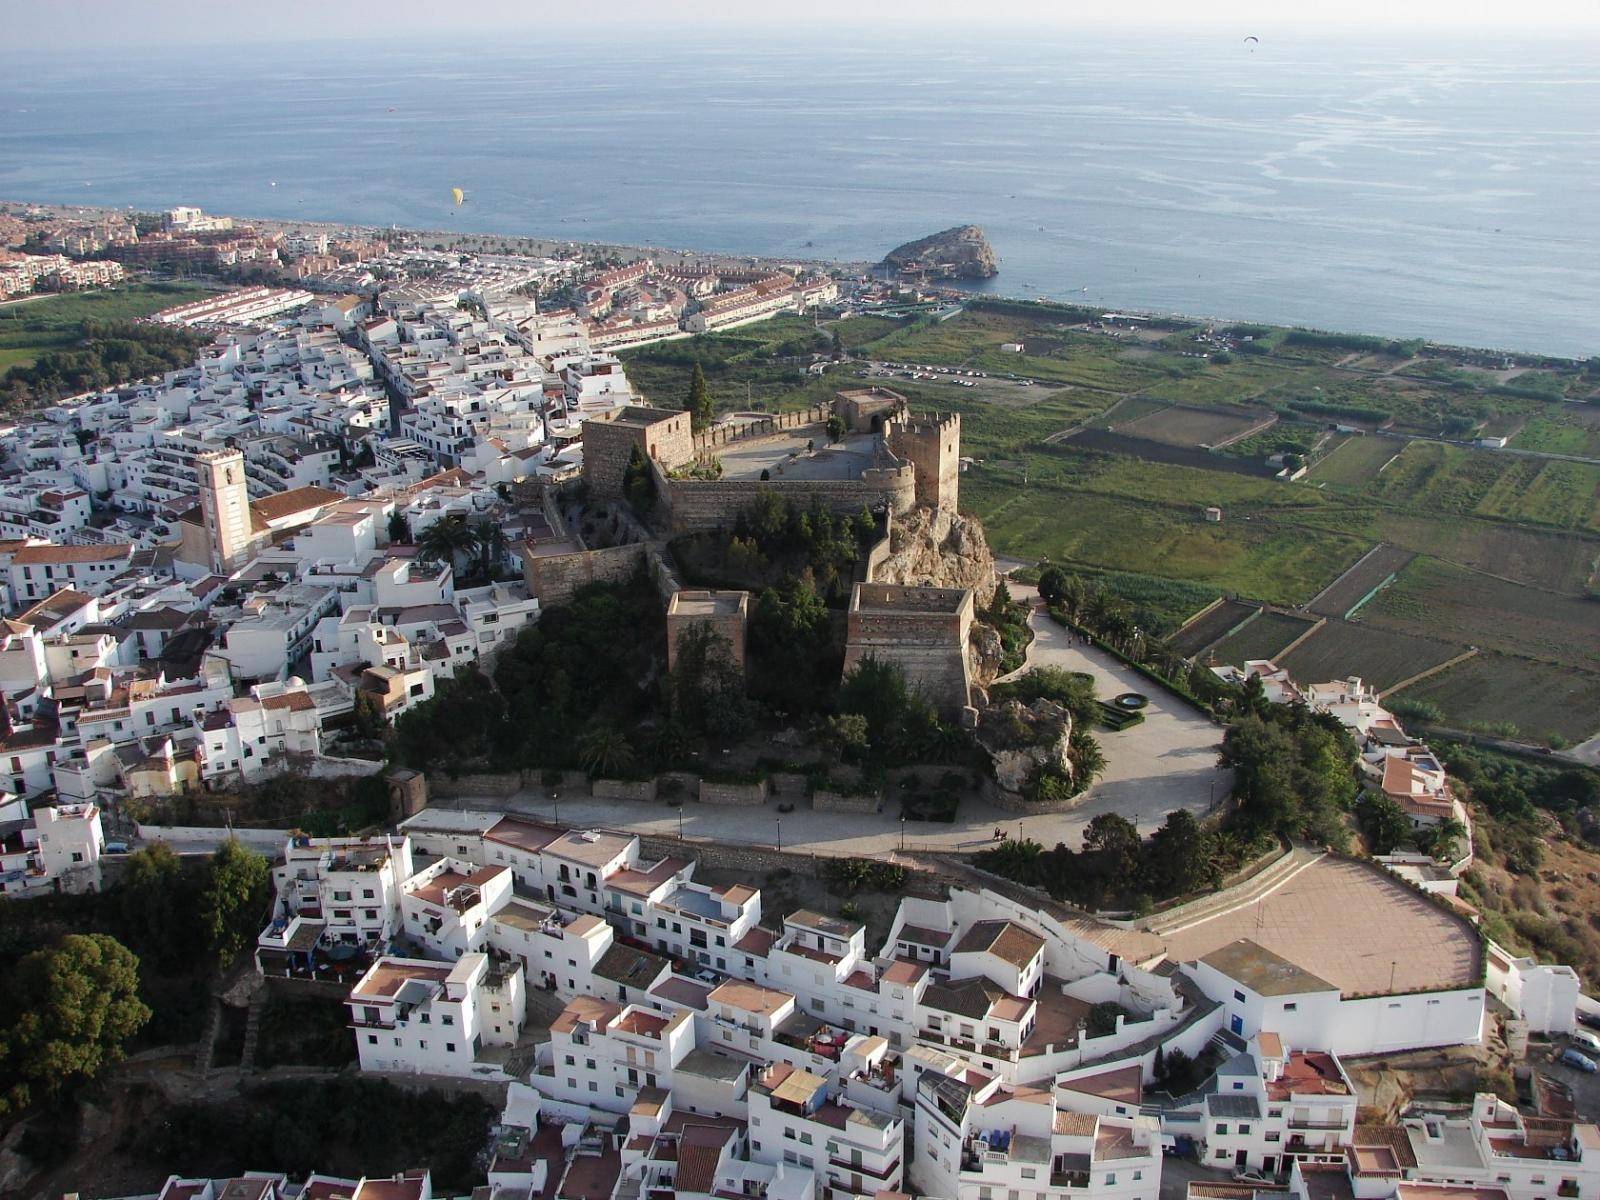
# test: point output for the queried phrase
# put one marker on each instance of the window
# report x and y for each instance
(1292, 1006)
(449, 1047)
(1222, 1128)
(372, 1039)
(1220, 1154)
(1111, 1178)
(1239, 996)
(1244, 1129)
(447, 1019)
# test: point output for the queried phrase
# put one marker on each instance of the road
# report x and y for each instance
(1167, 762)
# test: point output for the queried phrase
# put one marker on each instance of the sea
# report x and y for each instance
(1400, 184)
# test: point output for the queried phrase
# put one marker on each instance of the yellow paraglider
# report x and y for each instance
(457, 195)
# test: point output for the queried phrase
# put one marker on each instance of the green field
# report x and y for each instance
(1483, 611)
(1535, 699)
(1265, 637)
(1558, 436)
(1535, 522)
(30, 328)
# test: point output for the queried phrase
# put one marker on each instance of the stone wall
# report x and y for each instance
(824, 800)
(623, 789)
(709, 441)
(742, 794)
(554, 578)
(933, 445)
(661, 435)
(886, 623)
(699, 504)
(480, 784)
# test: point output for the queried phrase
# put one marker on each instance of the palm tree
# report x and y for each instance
(491, 542)
(605, 750)
(1088, 760)
(445, 539)
(1074, 594)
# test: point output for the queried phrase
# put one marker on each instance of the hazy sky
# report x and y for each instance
(39, 24)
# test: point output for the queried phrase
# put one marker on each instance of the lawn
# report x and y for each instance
(1479, 610)
(1381, 657)
(34, 327)
(1505, 693)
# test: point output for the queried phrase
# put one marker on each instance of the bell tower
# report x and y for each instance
(225, 508)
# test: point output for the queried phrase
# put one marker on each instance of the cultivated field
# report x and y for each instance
(1355, 462)
(1479, 610)
(1536, 699)
(1350, 588)
(1265, 637)
(1182, 425)
(29, 328)
(1382, 657)
(1200, 633)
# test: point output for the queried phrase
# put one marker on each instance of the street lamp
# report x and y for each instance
(902, 833)
(680, 822)
(779, 821)
(555, 795)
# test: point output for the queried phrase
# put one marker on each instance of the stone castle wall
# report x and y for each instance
(698, 504)
(933, 446)
(553, 579)
(930, 647)
(608, 445)
(708, 441)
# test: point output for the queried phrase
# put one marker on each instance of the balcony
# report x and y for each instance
(1317, 1123)
(1069, 1179)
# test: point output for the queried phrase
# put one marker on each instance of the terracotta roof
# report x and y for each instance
(70, 554)
(295, 500)
(1005, 940)
(698, 1154)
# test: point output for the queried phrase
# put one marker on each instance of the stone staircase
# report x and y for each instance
(252, 1031)
(206, 1048)
(1266, 882)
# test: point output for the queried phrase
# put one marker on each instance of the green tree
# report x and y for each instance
(445, 539)
(1181, 857)
(605, 750)
(368, 720)
(399, 527)
(1052, 582)
(233, 902)
(152, 900)
(639, 484)
(835, 428)
(1384, 822)
(1088, 760)
(65, 1015)
(701, 409)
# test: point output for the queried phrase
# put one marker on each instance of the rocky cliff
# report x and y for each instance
(1021, 739)
(959, 253)
(938, 548)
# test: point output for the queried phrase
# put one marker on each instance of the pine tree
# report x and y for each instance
(701, 409)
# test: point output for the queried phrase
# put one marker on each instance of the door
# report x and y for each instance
(1269, 1164)
(1236, 1025)
(1241, 1158)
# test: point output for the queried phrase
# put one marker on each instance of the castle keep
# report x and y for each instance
(923, 630)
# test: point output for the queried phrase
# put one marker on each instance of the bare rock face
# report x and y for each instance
(958, 253)
(1021, 738)
(938, 548)
(984, 652)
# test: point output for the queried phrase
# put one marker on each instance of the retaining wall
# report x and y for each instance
(824, 800)
(623, 789)
(554, 578)
(745, 794)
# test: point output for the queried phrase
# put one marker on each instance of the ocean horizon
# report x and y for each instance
(1402, 187)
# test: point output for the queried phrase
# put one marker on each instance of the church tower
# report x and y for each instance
(225, 508)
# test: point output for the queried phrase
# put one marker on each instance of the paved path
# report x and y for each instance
(1167, 762)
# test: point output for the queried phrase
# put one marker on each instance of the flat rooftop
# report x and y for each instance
(638, 416)
(707, 604)
(893, 597)
(785, 458)
(1354, 925)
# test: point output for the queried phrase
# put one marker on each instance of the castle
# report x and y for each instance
(886, 460)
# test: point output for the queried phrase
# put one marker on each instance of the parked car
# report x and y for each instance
(1583, 1040)
(1591, 1019)
(116, 847)
(1581, 1061)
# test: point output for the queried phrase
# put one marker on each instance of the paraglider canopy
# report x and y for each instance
(1252, 39)
(457, 195)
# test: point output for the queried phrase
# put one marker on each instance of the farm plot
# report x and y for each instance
(1381, 657)
(1184, 425)
(1203, 630)
(1355, 462)
(1544, 558)
(1128, 410)
(1504, 694)
(1441, 478)
(1433, 598)
(1167, 452)
(1280, 565)
(1562, 436)
(1347, 591)
(1563, 494)
(1265, 637)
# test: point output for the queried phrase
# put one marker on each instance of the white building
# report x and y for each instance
(430, 1018)
(53, 848)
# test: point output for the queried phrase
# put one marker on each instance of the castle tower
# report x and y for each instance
(933, 447)
(224, 508)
